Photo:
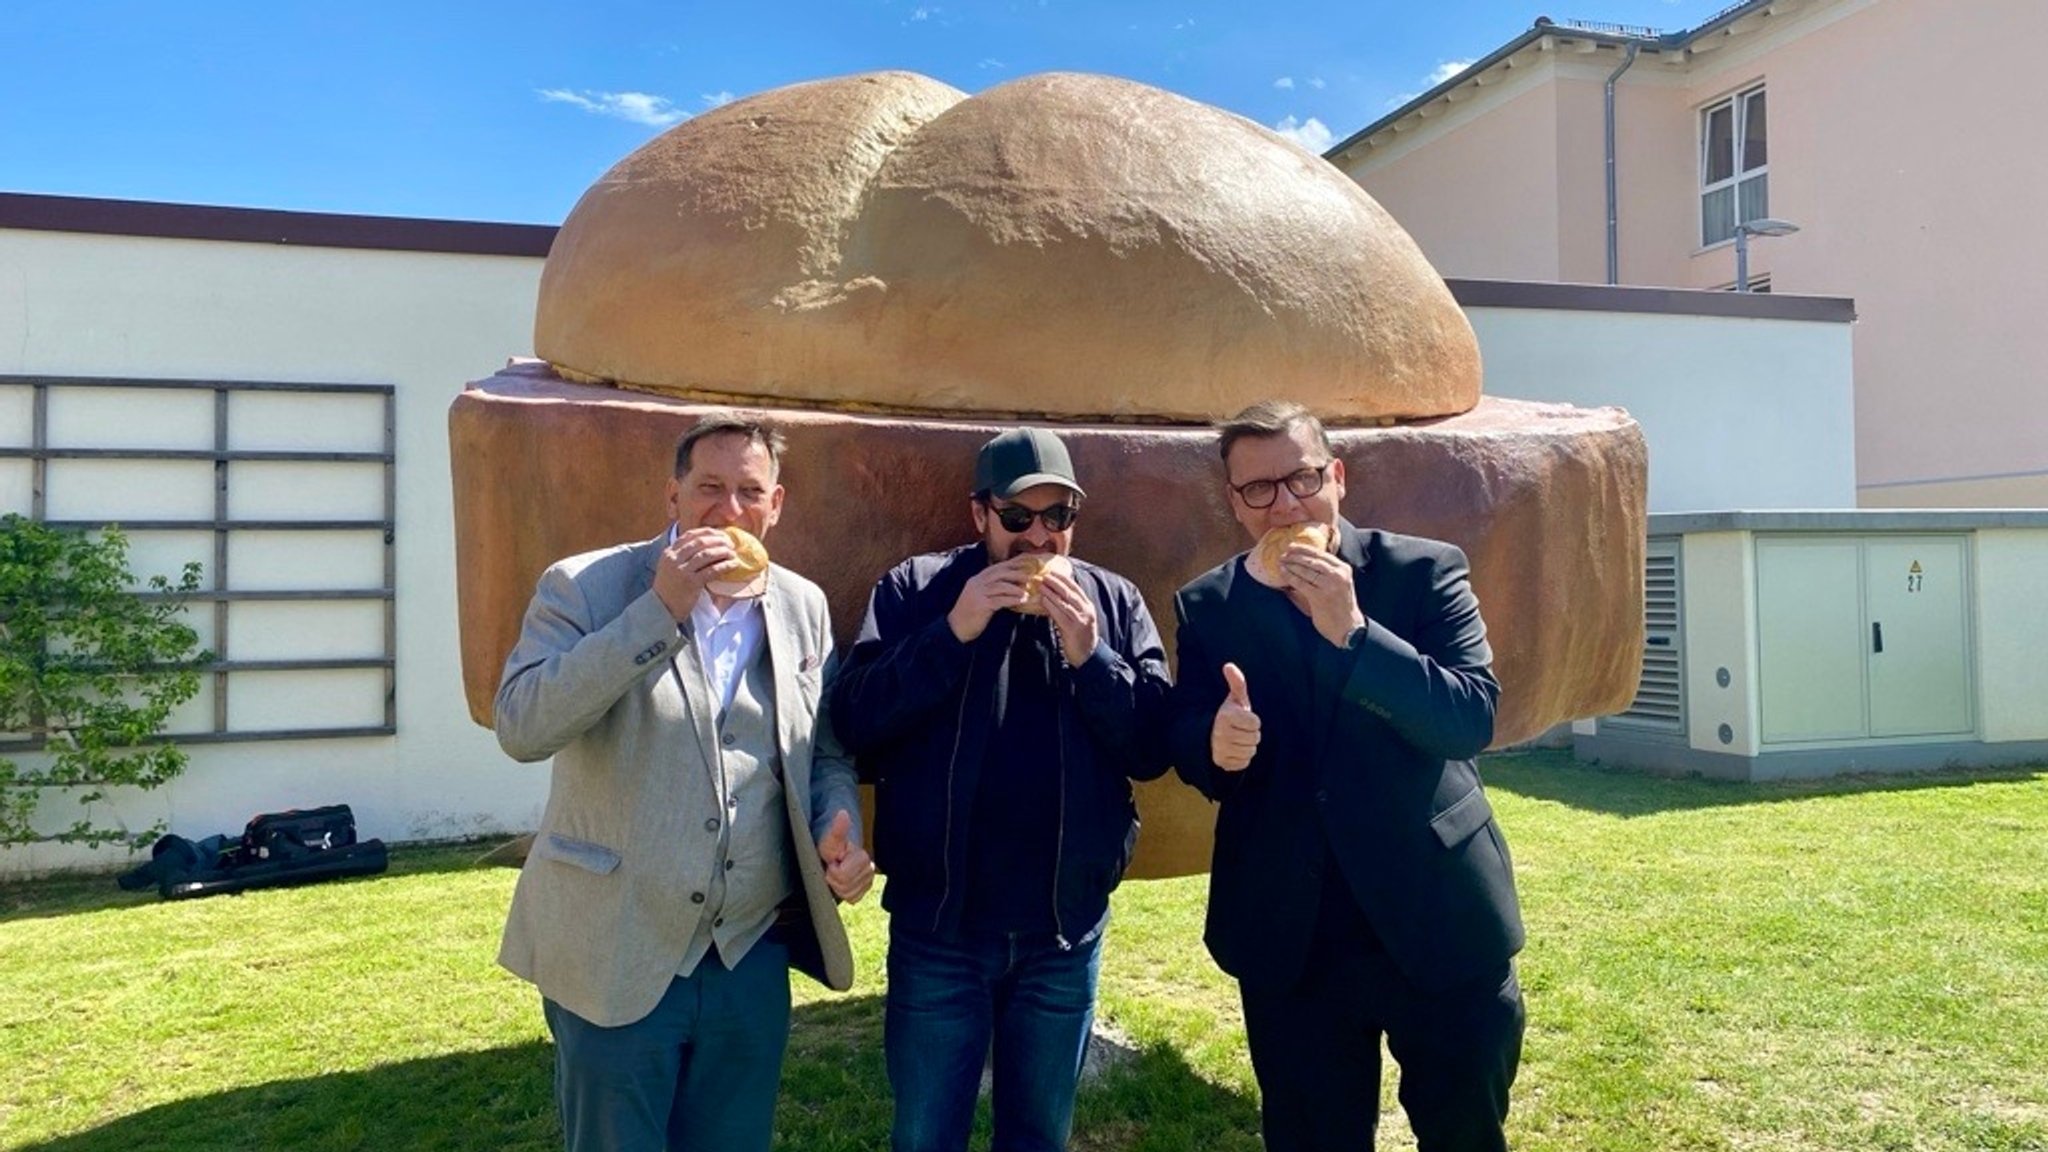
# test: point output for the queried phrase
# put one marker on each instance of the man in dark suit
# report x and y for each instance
(1360, 886)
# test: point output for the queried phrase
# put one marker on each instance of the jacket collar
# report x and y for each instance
(1354, 544)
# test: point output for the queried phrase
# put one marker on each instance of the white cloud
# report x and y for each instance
(991, 62)
(1284, 82)
(1445, 71)
(1441, 73)
(923, 13)
(637, 107)
(1311, 133)
(718, 99)
(1315, 82)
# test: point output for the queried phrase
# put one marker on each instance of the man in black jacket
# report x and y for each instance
(1002, 743)
(1360, 886)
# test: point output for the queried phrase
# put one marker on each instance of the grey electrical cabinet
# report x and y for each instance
(1811, 643)
(1862, 636)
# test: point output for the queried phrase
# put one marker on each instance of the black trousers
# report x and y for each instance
(1315, 1047)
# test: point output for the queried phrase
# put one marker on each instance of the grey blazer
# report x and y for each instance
(604, 681)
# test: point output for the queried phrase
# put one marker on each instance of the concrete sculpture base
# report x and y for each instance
(1547, 500)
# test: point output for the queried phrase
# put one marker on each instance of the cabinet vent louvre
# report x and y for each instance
(1660, 693)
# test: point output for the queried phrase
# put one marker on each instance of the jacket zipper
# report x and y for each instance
(1059, 842)
(952, 762)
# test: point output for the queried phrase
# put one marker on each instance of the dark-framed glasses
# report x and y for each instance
(1303, 484)
(1017, 518)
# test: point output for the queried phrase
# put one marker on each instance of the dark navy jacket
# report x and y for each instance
(915, 706)
(1365, 766)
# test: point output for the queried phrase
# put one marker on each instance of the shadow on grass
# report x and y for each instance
(1154, 1102)
(499, 1098)
(835, 1098)
(1552, 774)
(75, 892)
(835, 1093)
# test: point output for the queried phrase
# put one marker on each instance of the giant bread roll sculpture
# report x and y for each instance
(894, 271)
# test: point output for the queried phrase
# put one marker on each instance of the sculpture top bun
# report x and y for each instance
(746, 574)
(1263, 561)
(1063, 245)
(1036, 565)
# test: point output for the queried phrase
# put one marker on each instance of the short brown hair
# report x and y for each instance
(756, 431)
(1269, 418)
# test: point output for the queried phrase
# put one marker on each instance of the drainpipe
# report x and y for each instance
(1613, 211)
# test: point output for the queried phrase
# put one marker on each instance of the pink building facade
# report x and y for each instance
(1894, 133)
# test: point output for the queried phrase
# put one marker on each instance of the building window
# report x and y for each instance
(1734, 173)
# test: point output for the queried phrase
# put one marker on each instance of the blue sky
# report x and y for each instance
(508, 110)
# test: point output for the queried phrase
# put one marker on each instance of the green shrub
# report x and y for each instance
(90, 671)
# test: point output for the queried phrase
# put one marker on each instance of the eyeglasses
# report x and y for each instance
(1303, 484)
(1017, 518)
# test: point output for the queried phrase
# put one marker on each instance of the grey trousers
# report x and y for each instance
(697, 1074)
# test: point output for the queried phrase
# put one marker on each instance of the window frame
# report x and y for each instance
(1737, 104)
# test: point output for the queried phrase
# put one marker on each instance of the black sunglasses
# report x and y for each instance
(1017, 518)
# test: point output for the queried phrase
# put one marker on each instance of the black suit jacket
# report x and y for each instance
(1365, 759)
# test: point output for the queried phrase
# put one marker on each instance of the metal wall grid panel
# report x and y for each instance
(228, 533)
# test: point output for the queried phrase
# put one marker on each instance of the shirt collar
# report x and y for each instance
(705, 616)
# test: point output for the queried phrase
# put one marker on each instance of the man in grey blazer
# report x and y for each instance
(701, 823)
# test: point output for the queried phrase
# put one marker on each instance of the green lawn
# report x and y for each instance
(1846, 965)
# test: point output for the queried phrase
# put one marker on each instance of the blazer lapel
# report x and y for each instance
(1270, 644)
(783, 631)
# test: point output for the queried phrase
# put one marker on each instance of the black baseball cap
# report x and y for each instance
(1023, 458)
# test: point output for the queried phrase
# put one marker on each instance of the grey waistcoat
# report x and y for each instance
(752, 871)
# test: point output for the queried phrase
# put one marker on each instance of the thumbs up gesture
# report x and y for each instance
(1234, 737)
(849, 871)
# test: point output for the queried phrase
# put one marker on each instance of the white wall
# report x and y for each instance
(80, 305)
(1739, 413)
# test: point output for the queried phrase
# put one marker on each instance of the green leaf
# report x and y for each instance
(90, 669)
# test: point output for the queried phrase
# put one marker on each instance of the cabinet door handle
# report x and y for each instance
(1876, 636)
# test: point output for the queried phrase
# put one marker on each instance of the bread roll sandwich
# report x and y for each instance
(1035, 566)
(746, 574)
(1263, 561)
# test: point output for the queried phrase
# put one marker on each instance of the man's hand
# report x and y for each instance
(1235, 734)
(687, 565)
(1072, 614)
(1323, 588)
(849, 871)
(994, 588)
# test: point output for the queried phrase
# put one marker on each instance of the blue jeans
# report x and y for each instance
(950, 999)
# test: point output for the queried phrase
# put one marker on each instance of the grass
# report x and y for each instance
(1857, 964)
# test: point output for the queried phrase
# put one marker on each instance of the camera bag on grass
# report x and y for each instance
(277, 848)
